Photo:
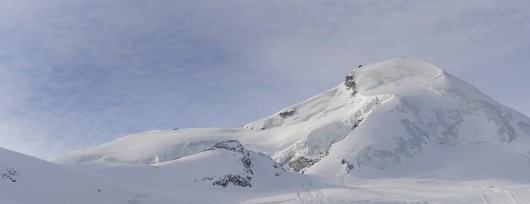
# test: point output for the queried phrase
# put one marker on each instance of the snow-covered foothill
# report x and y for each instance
(24, 179)
(226, 164)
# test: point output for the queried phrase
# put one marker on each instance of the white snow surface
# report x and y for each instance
(411, 133)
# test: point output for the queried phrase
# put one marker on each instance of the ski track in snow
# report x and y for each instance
(307, 194)
(497, 195)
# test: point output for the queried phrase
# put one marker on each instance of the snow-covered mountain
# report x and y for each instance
(384, 120)
(401, 122)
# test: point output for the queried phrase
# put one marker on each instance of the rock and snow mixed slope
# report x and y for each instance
(224, 164)
(399, 122)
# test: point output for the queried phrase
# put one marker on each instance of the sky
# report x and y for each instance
(77, 74)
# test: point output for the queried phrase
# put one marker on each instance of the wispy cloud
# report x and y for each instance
(78, 74)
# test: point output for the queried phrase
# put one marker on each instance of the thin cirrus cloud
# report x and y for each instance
(78, 74)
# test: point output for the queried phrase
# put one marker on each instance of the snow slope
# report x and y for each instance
(221, 172)
(225, 164)
(397, 131)
(29, 180)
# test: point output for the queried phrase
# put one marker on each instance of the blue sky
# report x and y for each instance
(80, 73)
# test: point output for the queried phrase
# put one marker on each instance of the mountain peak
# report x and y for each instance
(403, 65)
(396, 119)
(389, 117)
(397, 75)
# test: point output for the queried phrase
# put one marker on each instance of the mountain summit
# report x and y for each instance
(399, 117)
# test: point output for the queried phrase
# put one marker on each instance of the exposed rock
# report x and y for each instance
(10, 175)
(300, 163)
(236, 180)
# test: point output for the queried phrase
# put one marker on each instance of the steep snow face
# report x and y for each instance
(428, 109)
(398, 108)
(384, 117)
